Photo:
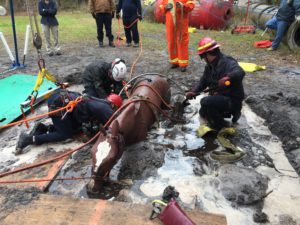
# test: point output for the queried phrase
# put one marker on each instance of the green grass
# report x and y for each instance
(80, 27)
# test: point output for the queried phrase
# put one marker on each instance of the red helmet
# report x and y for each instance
(206, 45)
(115, 99)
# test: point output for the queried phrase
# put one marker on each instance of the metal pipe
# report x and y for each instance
(26, 42)
(7, 48)
(11, 4)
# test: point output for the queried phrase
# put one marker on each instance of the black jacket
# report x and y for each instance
(96, 76)
(48, 12)
(223, 66)
(90, 109)
(131, 8)
(288, 10)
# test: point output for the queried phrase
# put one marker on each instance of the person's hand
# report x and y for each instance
(224, 82)
(118, 16)
(113, 14)
(190, 94)
(93, 15)
(168, 6)
(140, 17)
(297, 19)
(179, 5)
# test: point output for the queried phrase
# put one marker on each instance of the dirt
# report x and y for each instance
(272, 94)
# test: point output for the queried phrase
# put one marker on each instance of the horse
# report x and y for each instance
(129, 127)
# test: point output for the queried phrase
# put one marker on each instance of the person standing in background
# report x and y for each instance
(177, 22)
(48, 10)
(103, 12)
(132, 10)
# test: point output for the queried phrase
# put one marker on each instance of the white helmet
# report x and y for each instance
(118, 69)
(2, 11)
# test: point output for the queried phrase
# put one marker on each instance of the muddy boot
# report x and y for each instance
(39, 128)
(183, 69)
(236, 117)
(173, 66)
(23, 142)
(111, 44)
(101, 44)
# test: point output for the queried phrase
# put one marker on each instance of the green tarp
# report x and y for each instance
(14, 90)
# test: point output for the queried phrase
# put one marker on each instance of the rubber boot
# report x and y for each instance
(39, 128)
(111, 44)
(236, 117)
(101, 44)
(23, 142)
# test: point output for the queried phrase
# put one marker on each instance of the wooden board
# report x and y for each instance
(50, 210)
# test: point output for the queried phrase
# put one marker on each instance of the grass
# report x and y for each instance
(80, 27)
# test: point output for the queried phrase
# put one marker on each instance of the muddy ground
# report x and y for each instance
(273, 94)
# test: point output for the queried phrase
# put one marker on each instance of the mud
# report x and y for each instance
(11, 198)
(173, 156)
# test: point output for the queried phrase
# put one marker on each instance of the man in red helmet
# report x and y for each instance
(223, 77)
(88, 116)
(177, 22)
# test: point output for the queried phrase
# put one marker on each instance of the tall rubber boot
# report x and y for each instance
(23, 142)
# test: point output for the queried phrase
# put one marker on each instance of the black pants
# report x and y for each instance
(131, 33)
(215, 108)
(104, 19)
(63, 129)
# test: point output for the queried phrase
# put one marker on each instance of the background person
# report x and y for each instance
(223, 76)
(103, 12)
(177, 22)
(101, 78)
(288, 11)
(48, 10)
(132, 10)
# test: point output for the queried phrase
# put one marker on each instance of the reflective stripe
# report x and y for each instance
(188, 2)
(183, 61)
(161, 6)
(174, 60)
(205, 46)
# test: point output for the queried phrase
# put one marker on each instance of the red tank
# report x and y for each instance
(207, 14)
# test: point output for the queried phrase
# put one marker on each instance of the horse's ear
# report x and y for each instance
(115, 128)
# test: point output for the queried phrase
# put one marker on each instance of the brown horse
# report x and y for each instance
(129, 127)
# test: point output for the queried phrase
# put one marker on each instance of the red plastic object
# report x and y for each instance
(207, 14)
(243, 29)
(174, 215)
(263, 44)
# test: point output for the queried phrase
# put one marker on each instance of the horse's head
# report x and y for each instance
(106, 151)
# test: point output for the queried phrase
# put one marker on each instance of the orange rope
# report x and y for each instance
(139, 55)
(88, 142)
(156, 92)
(69, 108)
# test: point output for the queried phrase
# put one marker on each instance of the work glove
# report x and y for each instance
(179, 5)
(93, 15)
(168, 6)
(113, 14)
(118, 16)
(224, 82)
(190, 95)
(297, 18)
(140, 17)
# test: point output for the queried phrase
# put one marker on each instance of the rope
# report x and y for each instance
(88, 142)
(44, 180)
(156, 92)
(69, 107)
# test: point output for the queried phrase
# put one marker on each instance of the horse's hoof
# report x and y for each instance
(90, 188)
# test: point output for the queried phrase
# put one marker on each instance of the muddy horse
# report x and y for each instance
(147, 96)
